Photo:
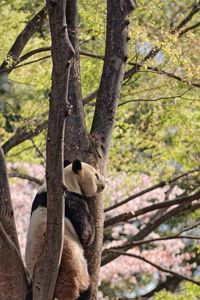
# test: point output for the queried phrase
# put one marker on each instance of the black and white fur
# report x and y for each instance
(73, 280)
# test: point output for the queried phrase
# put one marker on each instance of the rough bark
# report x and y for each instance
(75, 129)
(105, 111)
(6, 209)
(113, 69)
(13, 278)
(62, 51)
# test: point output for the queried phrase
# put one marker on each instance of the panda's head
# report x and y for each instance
(83, 179)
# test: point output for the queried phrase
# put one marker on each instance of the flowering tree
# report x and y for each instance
(135, 233)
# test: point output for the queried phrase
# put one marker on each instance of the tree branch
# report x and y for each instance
(143, 242)
(172, 75)
(170, 284)
(33, 128)
(155, 51)
(26, 177)
(195, 9)
(153, 187)
(180, 97)
(32, 27)
(124, 217)
(150, 227)
(156, 266)
(196, 25)
(33, 52)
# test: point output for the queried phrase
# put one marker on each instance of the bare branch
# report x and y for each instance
(150, 227)
(89, 54)
(33, 128)
(143, 242)
(38, 151)
(32, 26)
(162, 269)
(189, 228)
(27, 55)
(148, 241)
(26, 177)
(196, 25)
(171, 75)
(179, 97)
(127, 216)
(195, 9)
(170, 284)
(90, 97)
(33, 52)
(153, 187)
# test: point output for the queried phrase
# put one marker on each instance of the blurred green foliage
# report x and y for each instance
(157, 124)
(158, 137)
(188, 290)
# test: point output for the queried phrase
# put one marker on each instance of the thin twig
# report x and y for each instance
(150, 227)
(26, 177)
(124, 217)
(156, 266)
(153, 187)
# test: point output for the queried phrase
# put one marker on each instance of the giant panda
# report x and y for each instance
(82, 181)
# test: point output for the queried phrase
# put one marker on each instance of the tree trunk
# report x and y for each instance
(62, 51)
(105, 112)
(6, 209)
(76, 137)
(113, 70)
(13, 277)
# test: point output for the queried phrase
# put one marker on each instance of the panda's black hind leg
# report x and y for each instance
(85, 295)
(29, 295)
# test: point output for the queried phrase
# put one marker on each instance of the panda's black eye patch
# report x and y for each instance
(97, 176)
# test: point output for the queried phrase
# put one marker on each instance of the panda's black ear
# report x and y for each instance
(76, 166)
(66, 163)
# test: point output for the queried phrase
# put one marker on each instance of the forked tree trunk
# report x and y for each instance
(94, 148)
(91, 148)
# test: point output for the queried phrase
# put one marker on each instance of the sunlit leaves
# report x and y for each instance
(188, 291)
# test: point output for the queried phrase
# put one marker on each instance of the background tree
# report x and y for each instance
(156, 129)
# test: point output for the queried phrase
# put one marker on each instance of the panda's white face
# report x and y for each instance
(83, 179)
